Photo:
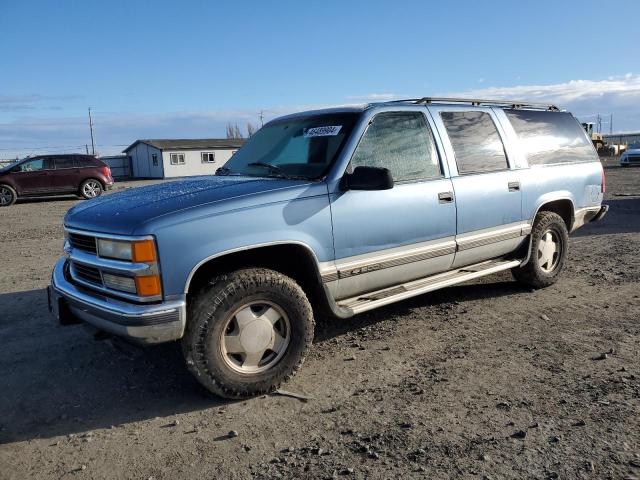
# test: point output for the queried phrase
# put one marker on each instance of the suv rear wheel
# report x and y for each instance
(248, 332)
(8, 196)
(549, 243)
(91, 188)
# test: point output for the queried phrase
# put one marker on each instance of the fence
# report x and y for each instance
(4, 163)
(120, 165)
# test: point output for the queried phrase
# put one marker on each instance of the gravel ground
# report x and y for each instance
(481, 380)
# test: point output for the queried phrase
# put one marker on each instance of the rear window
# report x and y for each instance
(475, 140)
(549, 138)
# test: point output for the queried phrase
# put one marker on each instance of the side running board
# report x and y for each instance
(369, 301)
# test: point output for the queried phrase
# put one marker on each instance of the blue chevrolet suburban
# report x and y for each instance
(335, 211)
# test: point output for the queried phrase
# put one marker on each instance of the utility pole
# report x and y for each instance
(86, 147)
(261, 118)
(610, 124)
(93, 145)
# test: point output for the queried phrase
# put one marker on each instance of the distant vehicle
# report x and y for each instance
(631, 155)
(596, 138)
(83, 175)
(340, 210)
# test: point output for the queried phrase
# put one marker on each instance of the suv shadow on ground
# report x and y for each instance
(60, 380)
(617, 219)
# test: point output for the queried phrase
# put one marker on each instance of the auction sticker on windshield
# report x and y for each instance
(328, 131)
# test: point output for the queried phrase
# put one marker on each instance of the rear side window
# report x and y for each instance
(548, 138)
(64, 162)
(475, 141)
(401, 142)
(84, 162)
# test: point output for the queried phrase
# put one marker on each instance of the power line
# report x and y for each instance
(59, 147)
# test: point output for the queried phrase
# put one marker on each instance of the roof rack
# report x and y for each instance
(479, 102)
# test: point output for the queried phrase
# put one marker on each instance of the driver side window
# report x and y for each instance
(401, 142)
(32, 165)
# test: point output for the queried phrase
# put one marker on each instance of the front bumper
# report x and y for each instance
(145, 324)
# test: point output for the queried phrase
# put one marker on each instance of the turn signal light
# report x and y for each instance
(148, 285)
(143, 251)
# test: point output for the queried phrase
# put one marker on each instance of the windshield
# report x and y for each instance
(302, 147)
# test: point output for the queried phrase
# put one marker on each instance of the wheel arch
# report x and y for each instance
(294, 259)
(562, 206)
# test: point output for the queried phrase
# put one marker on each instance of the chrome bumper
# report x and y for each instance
(146, 324)
(588, 214)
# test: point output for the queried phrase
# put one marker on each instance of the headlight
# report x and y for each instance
(114, 249)
(139, 251)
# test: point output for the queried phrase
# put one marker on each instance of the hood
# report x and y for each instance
(632, 151)
(127, 211)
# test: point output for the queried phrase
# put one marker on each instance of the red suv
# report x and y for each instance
(54, 175)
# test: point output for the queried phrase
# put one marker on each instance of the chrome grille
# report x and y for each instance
(83, 242)
(86, 273)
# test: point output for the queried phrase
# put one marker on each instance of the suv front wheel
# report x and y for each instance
(248, 331)
(8, 196)
(549, 244)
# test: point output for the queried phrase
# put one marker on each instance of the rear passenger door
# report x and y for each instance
(388, 237)
(65, 175)
(485, 181)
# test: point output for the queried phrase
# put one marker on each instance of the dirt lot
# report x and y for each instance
(482, 380)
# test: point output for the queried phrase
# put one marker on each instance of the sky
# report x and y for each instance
(184, 69)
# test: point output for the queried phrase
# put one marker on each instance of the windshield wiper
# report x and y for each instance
(223, 171)
(270, 166)
(277, 172)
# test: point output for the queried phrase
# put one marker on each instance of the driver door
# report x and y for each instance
(33, 176)
(388, 237)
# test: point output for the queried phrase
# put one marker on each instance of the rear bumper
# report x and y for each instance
(586, 215)
(145, 324)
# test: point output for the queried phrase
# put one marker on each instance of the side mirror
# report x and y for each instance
(367, 178)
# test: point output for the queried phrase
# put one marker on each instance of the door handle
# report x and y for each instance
(514, 186)
(445, 197)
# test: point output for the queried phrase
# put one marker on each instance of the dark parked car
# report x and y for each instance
(83, 175)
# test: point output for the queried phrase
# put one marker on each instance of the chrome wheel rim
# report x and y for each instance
(91, 189)
(549, 250)
(5, 196)
(255, 337)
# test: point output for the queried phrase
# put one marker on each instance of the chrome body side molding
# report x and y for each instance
(350, 267)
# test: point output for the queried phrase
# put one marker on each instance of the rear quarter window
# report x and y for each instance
(85, 162)
(551, 138)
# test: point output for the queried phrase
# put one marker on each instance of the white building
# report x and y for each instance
(179, 158)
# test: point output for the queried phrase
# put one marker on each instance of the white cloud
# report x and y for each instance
(24, 134)
(619, 96)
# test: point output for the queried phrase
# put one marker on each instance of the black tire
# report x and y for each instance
(8, 196)
(96, 186)
(207, 327)
(533, 274)
(625, 165)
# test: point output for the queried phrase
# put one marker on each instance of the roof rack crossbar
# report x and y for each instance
(478, 102)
